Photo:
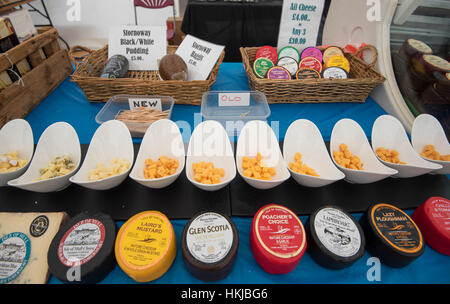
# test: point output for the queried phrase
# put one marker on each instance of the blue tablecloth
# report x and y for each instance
(68, 103)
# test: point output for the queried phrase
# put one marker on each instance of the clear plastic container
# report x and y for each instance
(119, 103)
(234, 117)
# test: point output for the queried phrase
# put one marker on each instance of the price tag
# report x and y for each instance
(200, 56)
(143, 46)
(300, 22)
(234, 99)
(153, 103)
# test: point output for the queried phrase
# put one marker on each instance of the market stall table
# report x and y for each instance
(236, 24)
(67, 103)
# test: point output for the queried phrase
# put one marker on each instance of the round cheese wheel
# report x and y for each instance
(278, 72)
(331, 51)
(310, 63)
(338, 61)
(277, 239)
(209, 246)
(289, 64)
(289, 51)
(261, 66)
(335, 239)
(268, 52)
(433, 63)
(412, 47)
(334, 73)
(306, 73)
(392, 235)
(83, 249)
(432, 218)
(145, 247)
(312, 52)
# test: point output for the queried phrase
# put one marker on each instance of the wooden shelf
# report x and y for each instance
(6, 5)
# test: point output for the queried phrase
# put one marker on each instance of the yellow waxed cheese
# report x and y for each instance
(145, 246)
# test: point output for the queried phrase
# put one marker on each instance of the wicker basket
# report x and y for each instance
(363, 79)
(99, 89)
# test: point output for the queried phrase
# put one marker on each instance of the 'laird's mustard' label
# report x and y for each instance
(145, 240)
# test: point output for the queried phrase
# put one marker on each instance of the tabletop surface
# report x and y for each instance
(68, 103)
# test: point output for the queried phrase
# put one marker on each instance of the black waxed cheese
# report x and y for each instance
(391, 235)
(83, 249)
(335, 239)
(209, 246)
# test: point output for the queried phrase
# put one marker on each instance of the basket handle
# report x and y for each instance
(374, 50)
(77, 60)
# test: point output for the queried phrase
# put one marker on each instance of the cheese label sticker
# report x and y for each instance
(440, 213)
(209, 237)
(81, 242)
(39, 226)
(337, 232)
(15, 251)
(280, 232)
(397, 228)
(145, 240)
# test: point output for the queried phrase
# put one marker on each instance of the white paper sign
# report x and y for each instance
(143, 46)
(234, 99)
(152, 103)
(200, 56)
(300, 22)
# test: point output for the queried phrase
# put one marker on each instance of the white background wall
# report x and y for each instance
(96, 16)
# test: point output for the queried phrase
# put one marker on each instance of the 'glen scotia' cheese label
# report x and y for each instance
(209, 237)
(14, 255)
(209, 245)
(337, 232)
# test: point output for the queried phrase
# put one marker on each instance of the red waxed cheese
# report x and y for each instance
(277, 239)
(433, 219)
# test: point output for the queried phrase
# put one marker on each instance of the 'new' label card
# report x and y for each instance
(153, 103)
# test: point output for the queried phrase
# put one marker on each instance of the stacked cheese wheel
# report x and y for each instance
(311, 63)
(421, 73)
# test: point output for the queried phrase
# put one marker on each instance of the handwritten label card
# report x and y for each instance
(234, 99)
(143, 46)
(200, 56)
(300, 22)
(152, 103)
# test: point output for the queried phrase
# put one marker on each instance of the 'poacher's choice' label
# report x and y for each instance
(81, 242)
(145, 240)
(209, 237)
(337, 232)
(440, 213)
(280, 232)
(397, 228)
(14, 255)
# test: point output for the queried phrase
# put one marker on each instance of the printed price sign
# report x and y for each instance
(200, 56)
(234, 99)
(300, 22)
(143, 46)
(152, 103)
